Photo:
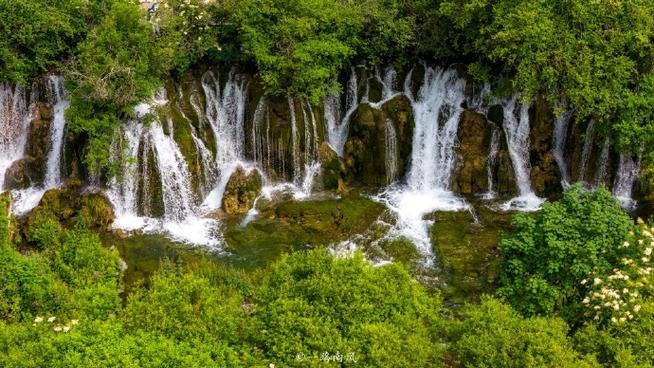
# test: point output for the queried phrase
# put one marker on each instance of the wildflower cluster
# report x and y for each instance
(57, 327)
(194, 18)
(618, 297)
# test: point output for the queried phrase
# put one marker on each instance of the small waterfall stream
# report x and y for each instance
(625, 177)
(560, 137)
(16, 110)
(391, 153)
(337, 119)
(585, 153)
(490, 164)
(516, 130)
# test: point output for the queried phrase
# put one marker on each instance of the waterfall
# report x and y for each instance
(295, 143)
(588, 148)
(490, 163)
(225, 113)
(436, 109)
(15, 115)
(603, 163)
(387, 82)
(338, 122)
(560, 136)
(123, 191)
(391, 153)
(516, 129)
(625, 177)
(57, 129)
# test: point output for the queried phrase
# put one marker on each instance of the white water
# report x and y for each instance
(225, 113)
(337, 119)
(516, 130)
(625, 177)
(15, 115)
(437, 110)
(560, 137)
(603, 163)
(585, 153)
(26, 199)
(391, 154)
(490, 164)
(181, 219)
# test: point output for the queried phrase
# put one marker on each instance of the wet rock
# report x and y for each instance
(68, 207)
(366, 148)
(471, 174)
(16, 176)
(545, 173)
(242, 189)
(38, 143)
(333, 171)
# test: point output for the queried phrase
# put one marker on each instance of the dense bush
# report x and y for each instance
(545, 258)
(493, 335)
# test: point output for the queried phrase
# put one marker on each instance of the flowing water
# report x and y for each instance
(587, 150)
(337, 119)
(391, 153)
(560, 137)
(16, 112)
(516, 130)
(437, 109)
(625, 177)
(490, 164)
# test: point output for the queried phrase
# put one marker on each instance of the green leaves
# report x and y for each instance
(548, 254)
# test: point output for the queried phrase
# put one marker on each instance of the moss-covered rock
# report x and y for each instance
(38, 144)
(294, 225)
(366, 148)
(467, 252)
(68, 207)
(242, 189)
(502, 171)
(333, 171)
(474, 134)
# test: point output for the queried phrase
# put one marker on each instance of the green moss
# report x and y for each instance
(467, 252)
(295, 225)
(402, 250)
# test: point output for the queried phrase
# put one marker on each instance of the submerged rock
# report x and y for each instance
(242, 189)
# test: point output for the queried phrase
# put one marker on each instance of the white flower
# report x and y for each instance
(66, 328)
(648, 251)
(597, 281)
(51, 319)
(636, 308)
(57, 328)
(625, 244)
(622, 319)
(586, 300)
(614, 320)
(74, 322)
(645, 259)
(584, 281)
(38, 319)
(271, 365)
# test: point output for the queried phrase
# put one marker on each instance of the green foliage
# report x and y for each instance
(299, 46)
(119, 65)
(313, 303)
(38, 34)
(493, 335)
(548, 255)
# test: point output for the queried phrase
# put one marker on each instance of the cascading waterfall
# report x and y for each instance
(437, 110)
(560, 136)
(603, 163)
(225, 113)
(625, 177)
(26, 199)
(387, 82)
(490, 163)
(391, 159)
(15, 115)
(337, 119)
(516, 129)
(585, 153)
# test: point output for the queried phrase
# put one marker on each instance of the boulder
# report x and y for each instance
(545, 173)
(242, 189)
(16, 176)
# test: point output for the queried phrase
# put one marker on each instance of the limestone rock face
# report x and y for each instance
(471, 173)
(242, 189)
(38, 143)
(372, 132)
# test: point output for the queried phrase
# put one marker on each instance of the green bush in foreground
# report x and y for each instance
(545, 258)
